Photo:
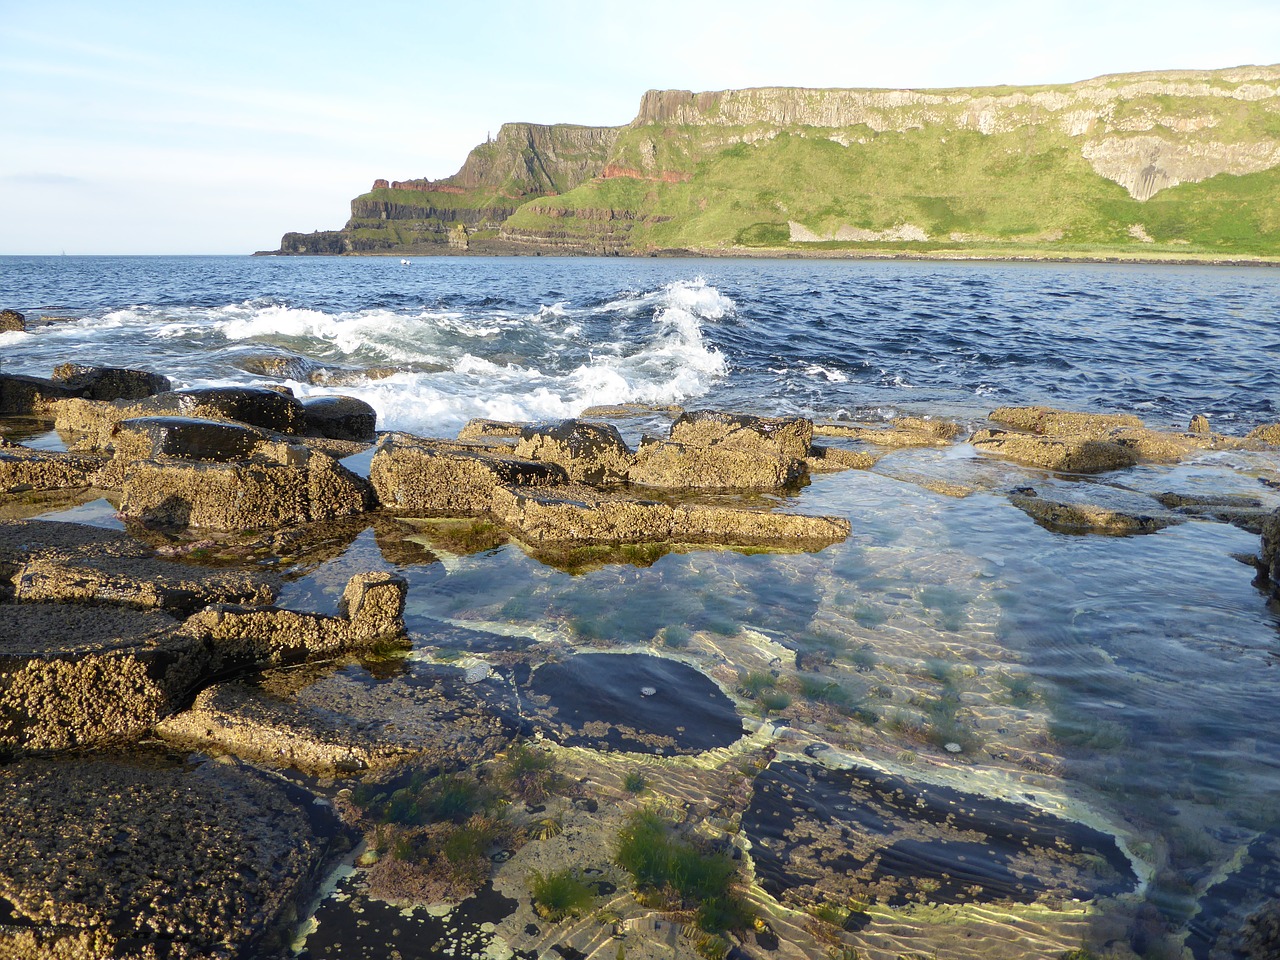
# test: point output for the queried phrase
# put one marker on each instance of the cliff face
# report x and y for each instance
(1175, 158)
(525, 161)
(1146, 132)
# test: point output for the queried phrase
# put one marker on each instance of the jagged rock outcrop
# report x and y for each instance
(12, 321)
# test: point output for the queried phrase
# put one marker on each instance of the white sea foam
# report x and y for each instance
(819, 372)
(537, 378)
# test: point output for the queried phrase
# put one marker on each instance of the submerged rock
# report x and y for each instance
(633, 702)
(834, 835)
(1087, 518)
(110, 858)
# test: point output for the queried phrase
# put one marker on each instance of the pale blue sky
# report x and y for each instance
(207, 127)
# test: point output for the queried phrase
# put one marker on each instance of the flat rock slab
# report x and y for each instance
(822, 835)
(23, 469)
(107, 858)
(339, 719)
(50, 561)
(72, 675)
(577, 514)
(1083, 518)
(633, 702)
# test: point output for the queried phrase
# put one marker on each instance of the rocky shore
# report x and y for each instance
(188, 747)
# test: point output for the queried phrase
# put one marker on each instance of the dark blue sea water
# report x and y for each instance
(541, 337)
(1127, 684)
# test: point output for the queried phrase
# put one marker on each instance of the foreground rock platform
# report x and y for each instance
(151, 858)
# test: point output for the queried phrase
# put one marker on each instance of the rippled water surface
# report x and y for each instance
(1126, 684)
(537, 337)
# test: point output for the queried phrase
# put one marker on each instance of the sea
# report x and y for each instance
(1128, 684)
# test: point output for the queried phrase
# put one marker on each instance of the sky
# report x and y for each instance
(208, 127)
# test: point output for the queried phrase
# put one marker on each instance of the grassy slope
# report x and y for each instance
(1025, 191)
(1017, 190)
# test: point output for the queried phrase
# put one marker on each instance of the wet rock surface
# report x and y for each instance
(831, 834)
(115, 858)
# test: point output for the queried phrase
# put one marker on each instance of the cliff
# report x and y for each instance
(525, 160)
(1180, 163)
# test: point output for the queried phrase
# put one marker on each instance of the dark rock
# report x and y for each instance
(596, 700)
(340, 418)
(1271, 549)
(185, 438)
(901, 841)
(26, 395)
(12, 321)
(110, 383)
(589, 452)
(110, 858)
(256, 406)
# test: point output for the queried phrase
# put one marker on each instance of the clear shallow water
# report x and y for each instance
(1126, 682)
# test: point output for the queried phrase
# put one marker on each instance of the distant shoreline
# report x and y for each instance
(774, 253)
